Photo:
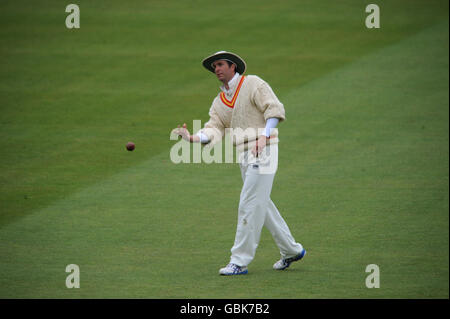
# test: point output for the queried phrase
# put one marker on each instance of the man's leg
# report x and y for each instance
(255, 197)
(280, 232)
(257, 176)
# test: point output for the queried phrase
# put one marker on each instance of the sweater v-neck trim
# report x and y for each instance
(231, 103)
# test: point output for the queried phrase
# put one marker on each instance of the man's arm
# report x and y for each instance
(267, 102)
(261, 142)
(273, 110)
(214, 129)
(184, 133)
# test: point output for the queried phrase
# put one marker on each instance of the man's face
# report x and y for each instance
(224, 72)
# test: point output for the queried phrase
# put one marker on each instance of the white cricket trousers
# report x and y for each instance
(256, 209)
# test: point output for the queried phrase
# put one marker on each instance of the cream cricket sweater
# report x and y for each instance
(244, 108)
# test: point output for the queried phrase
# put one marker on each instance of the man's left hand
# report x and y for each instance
(259, 146)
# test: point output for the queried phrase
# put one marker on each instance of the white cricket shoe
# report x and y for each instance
(282, 264)
(233, 269)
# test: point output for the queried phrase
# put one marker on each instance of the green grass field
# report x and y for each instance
(363, 167)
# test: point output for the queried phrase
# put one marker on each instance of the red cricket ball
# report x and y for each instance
(130, 146)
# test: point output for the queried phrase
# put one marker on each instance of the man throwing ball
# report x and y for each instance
(248, 106)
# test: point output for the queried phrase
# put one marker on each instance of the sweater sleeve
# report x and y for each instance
(268, 103)
(214, 129)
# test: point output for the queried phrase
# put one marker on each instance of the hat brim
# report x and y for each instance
(234, 58)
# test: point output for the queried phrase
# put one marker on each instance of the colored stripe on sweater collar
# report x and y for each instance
(233, 100)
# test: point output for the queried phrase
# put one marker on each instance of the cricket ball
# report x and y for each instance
(130, 146)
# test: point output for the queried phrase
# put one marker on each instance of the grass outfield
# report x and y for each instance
(363, 166)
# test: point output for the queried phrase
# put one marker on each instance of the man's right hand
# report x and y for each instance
(185, 135)
(183, 132)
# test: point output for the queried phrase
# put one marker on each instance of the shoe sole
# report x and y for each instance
(296, 258)
(240, 273)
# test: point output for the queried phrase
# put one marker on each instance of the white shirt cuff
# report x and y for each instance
(270, 124)
(203, 138)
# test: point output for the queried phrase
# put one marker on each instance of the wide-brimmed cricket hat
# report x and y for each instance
(228, 56)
